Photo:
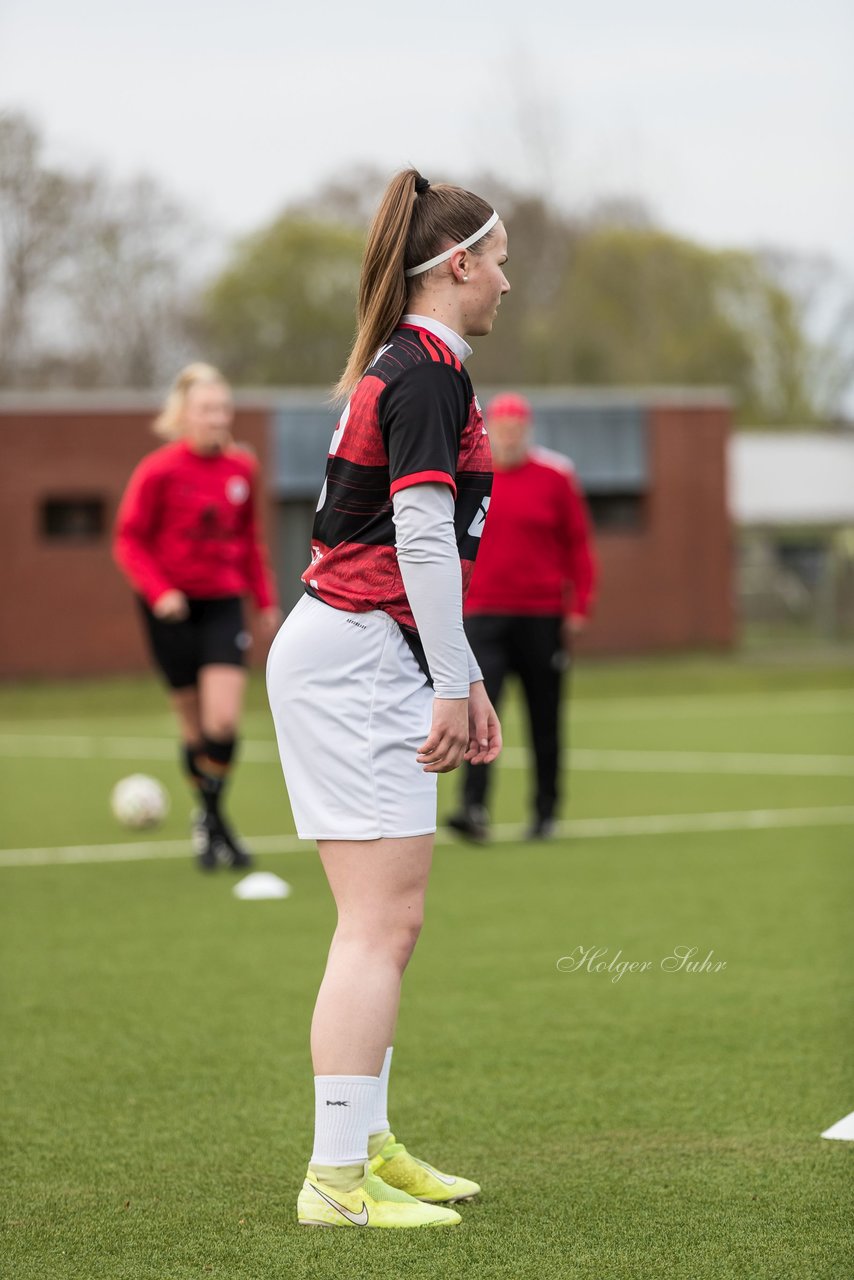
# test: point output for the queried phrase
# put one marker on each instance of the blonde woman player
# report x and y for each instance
(362, 734)
(187, 539)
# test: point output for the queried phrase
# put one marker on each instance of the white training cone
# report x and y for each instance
(843, 1129)
(261, 884)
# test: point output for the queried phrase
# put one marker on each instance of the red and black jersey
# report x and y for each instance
(413, 418)
(188, 521)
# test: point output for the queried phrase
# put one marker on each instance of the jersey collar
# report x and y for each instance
(452, 340)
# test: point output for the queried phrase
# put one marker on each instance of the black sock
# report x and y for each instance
(213, 765)
(190, 753)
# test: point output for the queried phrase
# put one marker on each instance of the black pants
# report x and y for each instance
(531, 649)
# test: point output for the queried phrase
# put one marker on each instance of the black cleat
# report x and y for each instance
(203, 843)
(230, 851)
(472, 822)
(542, 829)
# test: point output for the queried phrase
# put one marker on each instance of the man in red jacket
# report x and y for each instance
(531, 592)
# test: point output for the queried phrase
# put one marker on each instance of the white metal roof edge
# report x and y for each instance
(272, 398)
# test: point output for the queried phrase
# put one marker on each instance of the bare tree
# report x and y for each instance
(127, 287)
(822, 294)
(349, 199)
(98, 276)
(35, 205)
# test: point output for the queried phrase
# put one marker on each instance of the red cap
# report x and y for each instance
(509, 405)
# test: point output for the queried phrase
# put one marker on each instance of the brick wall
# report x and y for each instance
(66, 608)
(68, 611)
(669, 585)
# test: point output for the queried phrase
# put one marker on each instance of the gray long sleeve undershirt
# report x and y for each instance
(430, 567)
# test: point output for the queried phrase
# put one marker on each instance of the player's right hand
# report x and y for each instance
(448, 738)
(171, 607)
(484, 727)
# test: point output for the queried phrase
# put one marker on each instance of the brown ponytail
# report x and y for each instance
(414, 222)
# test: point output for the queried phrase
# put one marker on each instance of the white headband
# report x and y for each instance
(464, 244)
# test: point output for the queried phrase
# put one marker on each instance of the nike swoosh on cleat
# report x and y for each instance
(358, 1219)
(449, 1182)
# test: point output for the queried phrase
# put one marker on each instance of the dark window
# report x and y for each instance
(616, 511)
(806, 558)
(73, 519)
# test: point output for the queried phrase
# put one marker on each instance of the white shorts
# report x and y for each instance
(351, 708)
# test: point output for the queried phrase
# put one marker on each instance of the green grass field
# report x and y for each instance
(156, 1080)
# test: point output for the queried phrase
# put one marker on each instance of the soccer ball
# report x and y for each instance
(139, 801)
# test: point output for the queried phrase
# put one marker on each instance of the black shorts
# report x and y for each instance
(215, 632)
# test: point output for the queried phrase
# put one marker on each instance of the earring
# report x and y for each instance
(465, 278)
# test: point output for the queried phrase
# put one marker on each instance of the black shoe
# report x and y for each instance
(203, 843)
(541, 829)
(471, 822)
(216, 844)
(229, 849)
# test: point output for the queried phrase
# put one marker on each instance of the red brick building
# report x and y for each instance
(652, 463)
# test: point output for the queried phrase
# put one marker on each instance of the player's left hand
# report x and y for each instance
(571, 627)
(270, 620)
(484, 727)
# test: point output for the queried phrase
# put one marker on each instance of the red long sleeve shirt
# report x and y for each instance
(187, 521)
(536, 555)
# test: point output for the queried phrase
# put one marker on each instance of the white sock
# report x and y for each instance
(343, 1107)
(379, 1122)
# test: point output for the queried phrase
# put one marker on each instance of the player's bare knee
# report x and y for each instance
(369, 942)
(403, 937)
(219, 728)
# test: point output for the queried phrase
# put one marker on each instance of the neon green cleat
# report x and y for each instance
(372, 1204)
(398, 1168)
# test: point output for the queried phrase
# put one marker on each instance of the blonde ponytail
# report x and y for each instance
(168, 423)
(414, 221)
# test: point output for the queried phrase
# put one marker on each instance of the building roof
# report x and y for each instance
(107, 401)
(786, 478)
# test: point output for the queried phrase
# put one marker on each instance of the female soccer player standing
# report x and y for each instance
(187, 540)
(361, 733)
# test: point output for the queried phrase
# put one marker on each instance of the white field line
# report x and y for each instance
(133, 851)
(579, 828)
(773, 762)
(90, 747)
(677, 706)
(72, 746)
(820, 701)
(736, 820)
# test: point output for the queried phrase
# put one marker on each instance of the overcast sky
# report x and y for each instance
(734, 121)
